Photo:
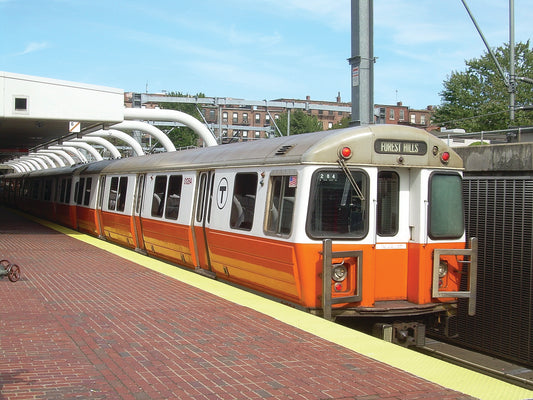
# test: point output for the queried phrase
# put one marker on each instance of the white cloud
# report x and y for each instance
(32, 47)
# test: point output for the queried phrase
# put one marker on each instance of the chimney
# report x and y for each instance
(338, 97)
(399, 103)
(308, 98)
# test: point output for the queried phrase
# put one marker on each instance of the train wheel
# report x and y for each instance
(14, 273)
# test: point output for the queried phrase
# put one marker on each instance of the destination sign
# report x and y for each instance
(384, 146)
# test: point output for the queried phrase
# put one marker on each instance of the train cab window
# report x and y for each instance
(87, 195)
(388, 203)
(243, 203)
(112, 203)
(281, 204)
(338, 208)
(158, 198)
(173, 197)
(446, 219)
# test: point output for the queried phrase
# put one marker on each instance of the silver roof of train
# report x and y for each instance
(319, 147)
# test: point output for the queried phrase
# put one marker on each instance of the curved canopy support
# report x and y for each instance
(17, 166)
(29, 166)
(50, 153)
(35, 164)
(102, 142)
(61, 153)
(149, 129)
(122, 136)
(148, 114)
(35, 160)
(71, 150)
(47, 159)
(86, 147)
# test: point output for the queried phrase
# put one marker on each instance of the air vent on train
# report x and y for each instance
(283, 150)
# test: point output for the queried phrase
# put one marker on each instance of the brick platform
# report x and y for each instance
(84, 323)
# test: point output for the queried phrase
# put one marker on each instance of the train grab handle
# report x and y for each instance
(327, 256)
(470, 294)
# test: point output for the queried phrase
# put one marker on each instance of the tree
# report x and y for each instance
(477, 99)
(301, 122)
(182, 136)
(343, 123)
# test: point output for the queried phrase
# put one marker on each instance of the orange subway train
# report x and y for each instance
(357, 222)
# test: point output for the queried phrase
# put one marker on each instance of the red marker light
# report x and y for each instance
(445, 157)
(346, 152)
(338, 287)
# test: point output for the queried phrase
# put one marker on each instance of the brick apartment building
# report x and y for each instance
(237, 119)
(403, 115)
(248, 120)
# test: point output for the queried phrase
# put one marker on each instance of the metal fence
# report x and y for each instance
(499, 212)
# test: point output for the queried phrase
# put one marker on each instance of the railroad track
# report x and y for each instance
(482, 365)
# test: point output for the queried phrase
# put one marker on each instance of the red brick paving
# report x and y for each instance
(86, 324)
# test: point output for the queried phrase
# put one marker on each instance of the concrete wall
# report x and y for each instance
(498, 159)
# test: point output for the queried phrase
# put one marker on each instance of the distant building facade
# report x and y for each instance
(403, 115)
(242, 120)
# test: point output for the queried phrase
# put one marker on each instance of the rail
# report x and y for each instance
(473, 366)
(327, 265)
(472, 275)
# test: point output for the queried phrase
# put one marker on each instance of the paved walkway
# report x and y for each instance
(83, 323)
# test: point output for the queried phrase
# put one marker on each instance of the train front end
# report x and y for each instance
(390, 219)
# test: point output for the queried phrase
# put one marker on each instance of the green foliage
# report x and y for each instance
(182, 136)
(477, 99)
(343, 123)
(301, 122)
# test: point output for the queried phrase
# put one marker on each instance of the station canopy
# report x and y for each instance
(37, 111)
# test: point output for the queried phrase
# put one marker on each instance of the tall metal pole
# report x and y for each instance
(512, 73)
(362, 62)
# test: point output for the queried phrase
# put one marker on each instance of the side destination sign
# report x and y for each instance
(384, 146)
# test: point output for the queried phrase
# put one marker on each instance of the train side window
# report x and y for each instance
(87, 196)
(122, 191)
(173, 197)
(68, 190)
(388, 203)
(446, 217)
(47, 190)
(243, 205)
(112, 203)
(281, 204)
(158, 197)
(337, 209)
(79, 190)
(62, 190)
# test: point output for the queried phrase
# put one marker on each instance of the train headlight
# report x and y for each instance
(339, 272)
(443, 268)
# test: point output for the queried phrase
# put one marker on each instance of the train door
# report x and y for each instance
(392, 235)
(201, 219)
(137, 210)
(99, 205)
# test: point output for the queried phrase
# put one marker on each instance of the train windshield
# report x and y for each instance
(337, 210)
(446, 219)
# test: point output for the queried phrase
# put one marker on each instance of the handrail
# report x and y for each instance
(470, 294)
(327, 256)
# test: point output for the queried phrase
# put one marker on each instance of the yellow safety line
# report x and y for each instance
(442, 373)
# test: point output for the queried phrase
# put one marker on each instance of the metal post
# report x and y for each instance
(362, 62)
(512, 77)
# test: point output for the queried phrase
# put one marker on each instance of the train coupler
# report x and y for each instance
(403, 333)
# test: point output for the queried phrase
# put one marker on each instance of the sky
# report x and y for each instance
(251, 49)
